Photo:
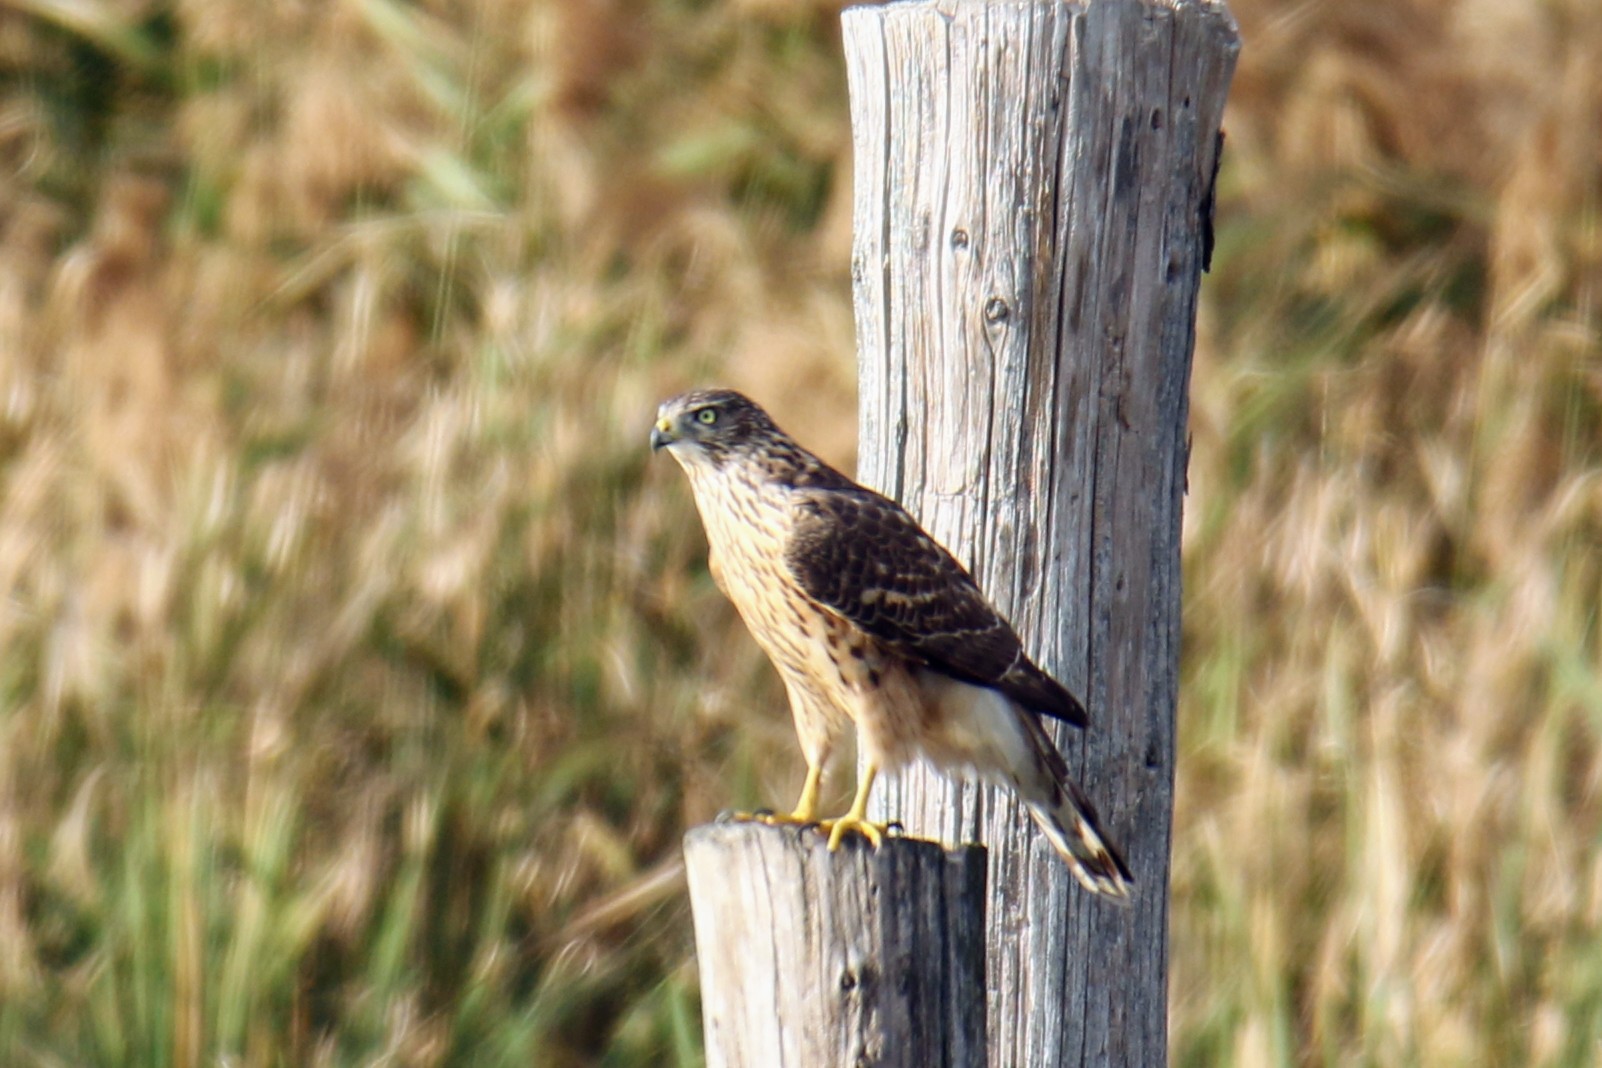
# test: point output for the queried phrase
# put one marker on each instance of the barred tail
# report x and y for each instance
(1074, 832)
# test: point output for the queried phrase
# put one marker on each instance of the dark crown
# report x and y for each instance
(737, 417)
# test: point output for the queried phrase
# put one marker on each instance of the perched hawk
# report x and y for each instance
(870, 622)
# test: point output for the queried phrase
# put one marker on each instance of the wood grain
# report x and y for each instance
(1033, 194)
(857, 958)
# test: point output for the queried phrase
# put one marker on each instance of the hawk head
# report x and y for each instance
(710, 426)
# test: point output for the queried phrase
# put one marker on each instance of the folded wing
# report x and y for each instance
(863, 557)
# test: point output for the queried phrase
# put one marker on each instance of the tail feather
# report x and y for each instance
(991, 732)
(1072, 828)
(1069, 820)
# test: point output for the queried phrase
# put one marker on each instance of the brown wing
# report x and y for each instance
(861, 555)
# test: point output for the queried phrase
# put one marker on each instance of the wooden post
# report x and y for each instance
(1034, 185)
(858, 958)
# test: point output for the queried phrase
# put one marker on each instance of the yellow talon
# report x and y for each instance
(767, 817)
(857, 818)
(777, 819)
(838, 829)
(806, 809)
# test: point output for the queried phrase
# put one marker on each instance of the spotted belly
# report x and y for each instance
(834, 673)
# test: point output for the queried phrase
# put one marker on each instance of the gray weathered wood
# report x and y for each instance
(1033, 191)
(857, 958)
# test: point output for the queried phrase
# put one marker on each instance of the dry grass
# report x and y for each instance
(360, 674)
(1392, 638)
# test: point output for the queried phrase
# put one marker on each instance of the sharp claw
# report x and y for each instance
(838, 829)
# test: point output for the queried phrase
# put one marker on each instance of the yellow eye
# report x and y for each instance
(707, 416)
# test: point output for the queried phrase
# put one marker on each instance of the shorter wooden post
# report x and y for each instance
(855, 958)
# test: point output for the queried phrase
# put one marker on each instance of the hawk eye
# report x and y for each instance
(707, 416)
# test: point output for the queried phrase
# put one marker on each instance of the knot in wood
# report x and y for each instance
(959, 238)
(996, 310)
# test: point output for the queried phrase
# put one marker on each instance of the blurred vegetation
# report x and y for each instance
(359, 674)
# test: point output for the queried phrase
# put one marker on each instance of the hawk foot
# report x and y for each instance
(838, 829)
(776, 819)
(768, 817)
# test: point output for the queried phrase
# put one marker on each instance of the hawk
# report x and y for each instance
(871, 623)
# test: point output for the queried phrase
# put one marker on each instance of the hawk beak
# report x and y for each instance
(662, 434)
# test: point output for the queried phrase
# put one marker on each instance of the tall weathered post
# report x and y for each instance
(1034, 184)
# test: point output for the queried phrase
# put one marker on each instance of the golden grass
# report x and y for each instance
(1396, 502)
(360, 674)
